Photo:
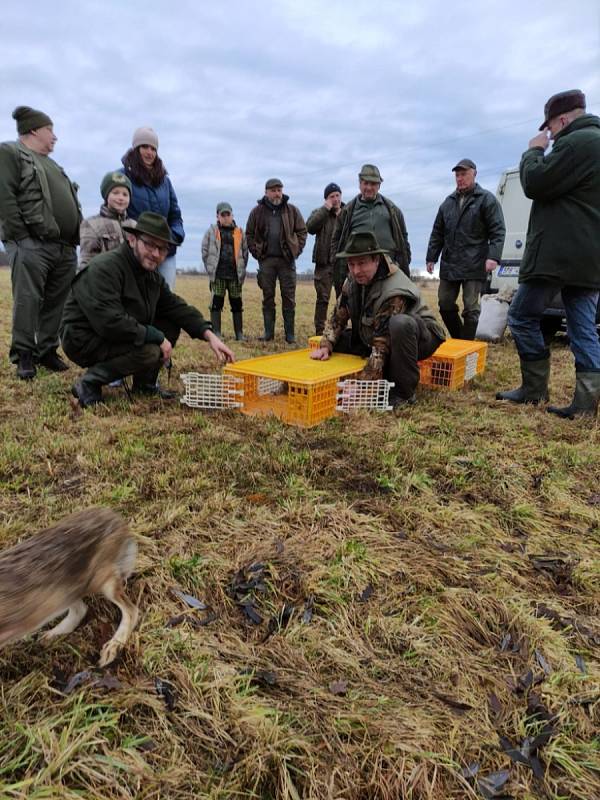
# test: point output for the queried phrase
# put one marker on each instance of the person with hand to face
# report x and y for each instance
(321, 223)
(389, 323)
(562, 251)
(103, 231)
(39, 226)
(122, 319)
(469, 233)
(152, 190)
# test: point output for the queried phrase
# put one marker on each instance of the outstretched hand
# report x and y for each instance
(219, 348)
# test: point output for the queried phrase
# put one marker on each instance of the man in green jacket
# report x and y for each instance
(389, 322)
(321, 223)
(122, 319)
(562, 251)
(39, 226)
(370, 212)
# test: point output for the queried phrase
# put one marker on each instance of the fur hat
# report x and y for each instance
(561, 103)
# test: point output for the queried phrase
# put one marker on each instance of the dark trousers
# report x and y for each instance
(41, 275)
(411, 341)
(271, 269)
(323, 282)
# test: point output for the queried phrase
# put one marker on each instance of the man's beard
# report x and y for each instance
(276, 202)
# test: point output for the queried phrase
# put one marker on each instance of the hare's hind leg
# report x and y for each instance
(75, 614)
(113, 589)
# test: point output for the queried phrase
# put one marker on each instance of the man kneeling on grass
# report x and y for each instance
(389, 322)
(122, 319)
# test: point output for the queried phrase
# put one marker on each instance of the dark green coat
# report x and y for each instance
(321, 224)
(563, 237)
(466, 237)
(115, 301)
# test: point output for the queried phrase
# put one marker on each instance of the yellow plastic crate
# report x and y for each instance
(314, 342)
(293, 386)
(453, 363)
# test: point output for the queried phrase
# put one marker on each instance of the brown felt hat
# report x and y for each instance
(561, 103)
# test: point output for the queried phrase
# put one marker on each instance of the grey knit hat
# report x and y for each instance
(144, 136)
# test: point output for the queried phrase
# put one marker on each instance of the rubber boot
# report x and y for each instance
(469, 328)
(453, 323)
(534, 383)
(146, 383)
(289, 318)
(238, 326)
(269, 322)
(215, 318)
(585, 401)
(88, 389)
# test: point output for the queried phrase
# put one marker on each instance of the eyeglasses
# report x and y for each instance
(161, 249)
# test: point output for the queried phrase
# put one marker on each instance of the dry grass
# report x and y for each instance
(412, 614)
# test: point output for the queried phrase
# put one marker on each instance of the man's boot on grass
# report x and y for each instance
(215, 318)
(52, 361)
(269, 322)
(289, 319)
(453, 323)
(238, 326)
(87, 392)
(26, 370)
(469, 328)
(534, 383)
(146, 384)
(585, 400)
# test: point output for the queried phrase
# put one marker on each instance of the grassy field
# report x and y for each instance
(397, 608)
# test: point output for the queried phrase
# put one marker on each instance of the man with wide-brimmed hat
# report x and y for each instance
(122, 319)
(39, 226)
(276, 234)
(370, 212)
(562, 251)
(469, 233)
(389, 322)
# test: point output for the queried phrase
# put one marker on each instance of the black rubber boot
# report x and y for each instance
(534, 383)
(26, 370)
(52, 361)
(289, 319)
(453, 323)
(469, 329)
(269, 322)
(215, 318)
(147, 384)
(585, 400)
(88, 393)
(238, 326)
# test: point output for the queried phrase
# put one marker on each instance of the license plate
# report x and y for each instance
(509, 271)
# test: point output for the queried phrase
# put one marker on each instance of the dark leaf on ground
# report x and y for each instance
(505, 644)
(594, 499)
(453, 702)
(251, 613)
(513, 752)
(580, 664)
(470, 771)
(147, 746)
(280, 621)
(167, 692)
(542, 662)
(495, 705)
(108, 681)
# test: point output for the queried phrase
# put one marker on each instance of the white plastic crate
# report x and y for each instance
(212, 391)
(356, 395)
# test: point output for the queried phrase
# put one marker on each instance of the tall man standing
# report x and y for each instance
(276, 235)
(321, 223)
(469, 232)
(39, 226)
(562, 251)
(370, 212)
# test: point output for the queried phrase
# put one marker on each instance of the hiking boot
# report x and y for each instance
(52, 361)
(585, 400)
(87, 393)
(534, 383)
(26, 370)
(400, 404)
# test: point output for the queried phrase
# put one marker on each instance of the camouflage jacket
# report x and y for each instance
(369, 308)
(100, 234)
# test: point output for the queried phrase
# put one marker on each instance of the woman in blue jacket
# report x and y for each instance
(152, 191)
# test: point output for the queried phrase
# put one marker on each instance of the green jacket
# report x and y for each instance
(25, 201)
(114, 300)
(563, 237)
(321, 223)
(343, 229)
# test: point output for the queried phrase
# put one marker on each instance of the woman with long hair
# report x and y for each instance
(152, 190)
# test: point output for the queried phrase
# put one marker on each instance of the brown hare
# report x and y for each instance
(86, 553)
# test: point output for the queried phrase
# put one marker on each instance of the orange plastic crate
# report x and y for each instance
(453, 363)
(293, 386)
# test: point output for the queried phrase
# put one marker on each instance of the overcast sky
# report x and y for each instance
(304, 90)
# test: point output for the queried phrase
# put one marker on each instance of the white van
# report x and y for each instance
(516, 208)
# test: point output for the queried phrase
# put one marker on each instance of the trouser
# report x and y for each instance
(168, 269)
(525, 315)
(410, 341)
(41, 275)
(323, 281)
(270, 269)
(340, 273)
(447, 296)
(118, 359)
(222, 286)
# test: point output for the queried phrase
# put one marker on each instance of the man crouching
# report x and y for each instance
(122, 319)
(389, 322)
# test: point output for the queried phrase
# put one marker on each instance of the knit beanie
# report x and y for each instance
(144, 136)
(331, 187)
(111, 180)
(28, 119)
